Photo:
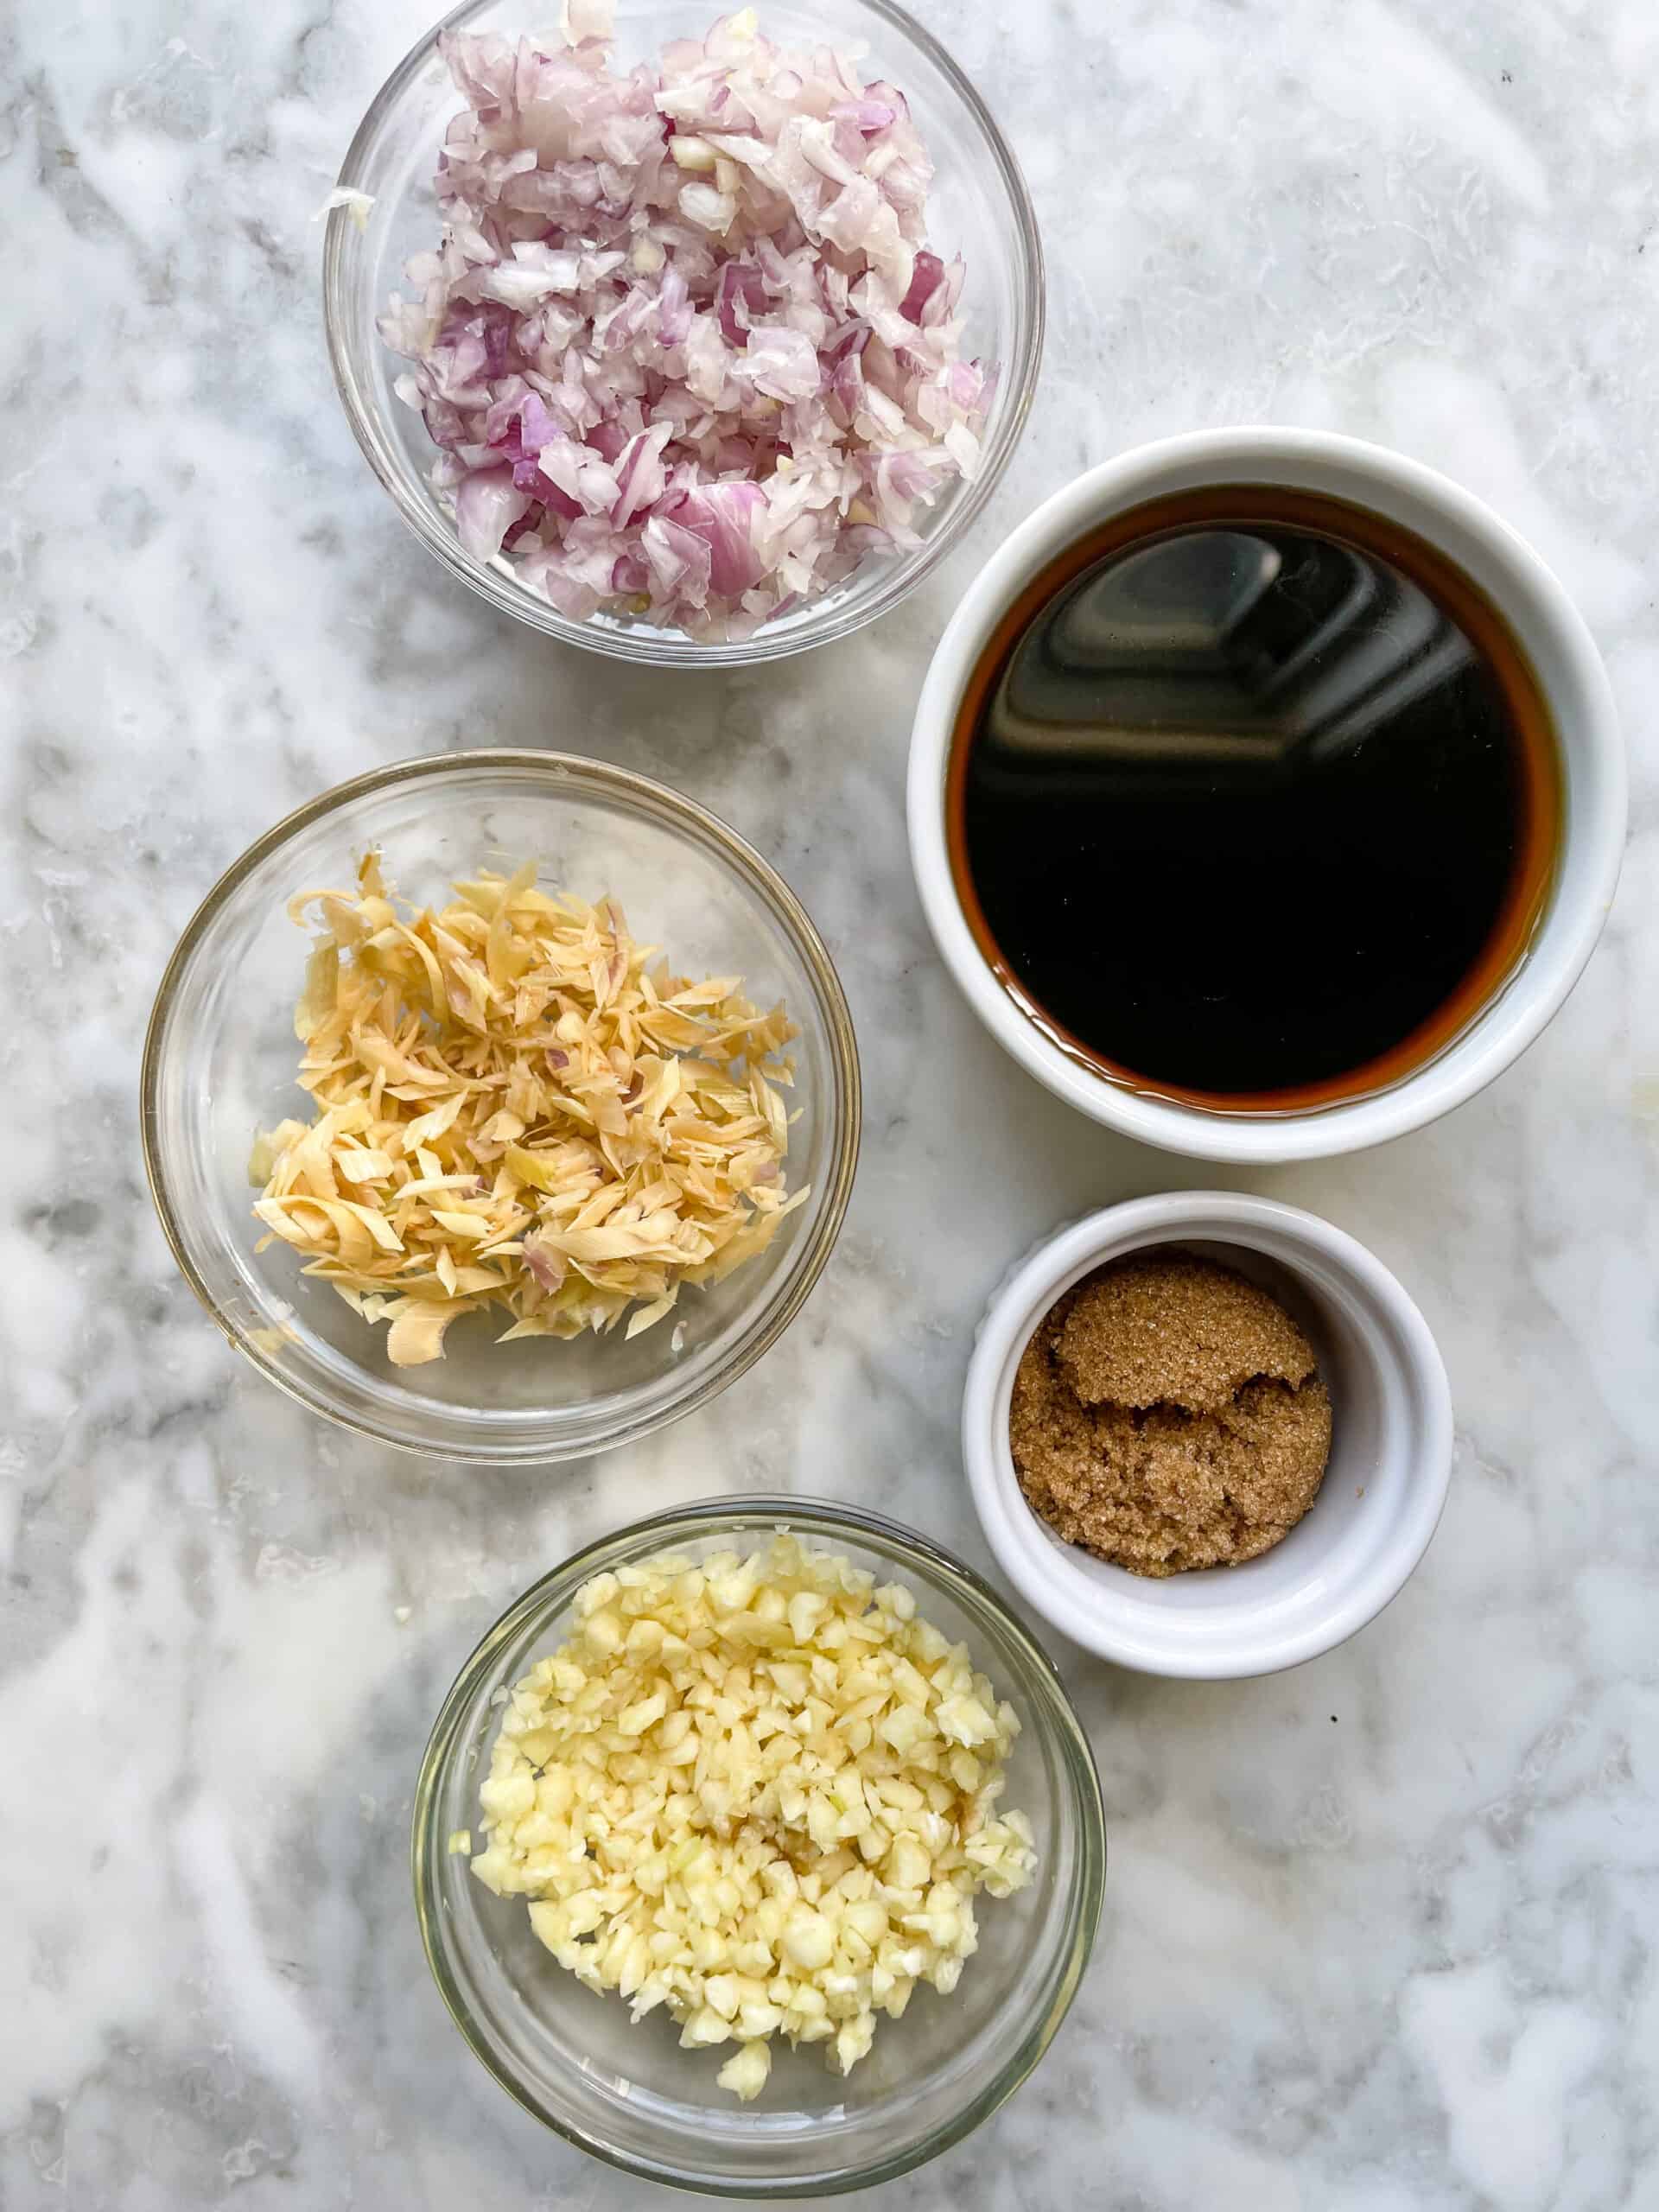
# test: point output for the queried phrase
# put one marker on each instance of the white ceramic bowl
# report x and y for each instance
(1382, 1493)
(1569, 669)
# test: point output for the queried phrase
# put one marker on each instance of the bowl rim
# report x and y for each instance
(1033, 1560)
(814, 1517)
(565, 768)
(1478, 539)
(671, 648)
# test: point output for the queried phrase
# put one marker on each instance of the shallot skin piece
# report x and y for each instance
(683, 346)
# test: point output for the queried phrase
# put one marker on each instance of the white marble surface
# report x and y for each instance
(1378, 1932)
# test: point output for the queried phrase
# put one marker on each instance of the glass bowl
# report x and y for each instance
(221, 1062)
(630, 2095)
(978, 206)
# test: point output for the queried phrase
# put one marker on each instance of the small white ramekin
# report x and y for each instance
(1383, 1490)
(1568, 667)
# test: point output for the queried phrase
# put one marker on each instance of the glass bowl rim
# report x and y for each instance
(763, 881)
(825, 1518)
(669, 648)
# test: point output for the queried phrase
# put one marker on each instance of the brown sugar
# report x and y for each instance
(1169, 1413)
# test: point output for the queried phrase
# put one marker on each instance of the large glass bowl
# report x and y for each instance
(630, 2095)
(978, 206)
(220, 1063)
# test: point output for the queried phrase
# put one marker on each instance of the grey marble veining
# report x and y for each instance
(1379, 1933)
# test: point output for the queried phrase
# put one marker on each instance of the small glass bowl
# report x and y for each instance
(630, 2095)
(220, 1063)
(978, 206)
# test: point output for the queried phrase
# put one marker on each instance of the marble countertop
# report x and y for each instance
(1378, 1932)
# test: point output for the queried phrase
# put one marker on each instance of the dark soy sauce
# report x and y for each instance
(1253, 800)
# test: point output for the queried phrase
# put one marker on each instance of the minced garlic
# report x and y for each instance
(517, 1108)
(760, 1792)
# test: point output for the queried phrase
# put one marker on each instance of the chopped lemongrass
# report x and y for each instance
(530, 1111)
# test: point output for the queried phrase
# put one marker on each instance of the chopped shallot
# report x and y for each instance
(683, 346)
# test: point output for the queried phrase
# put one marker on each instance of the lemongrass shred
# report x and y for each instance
(526, 1115)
